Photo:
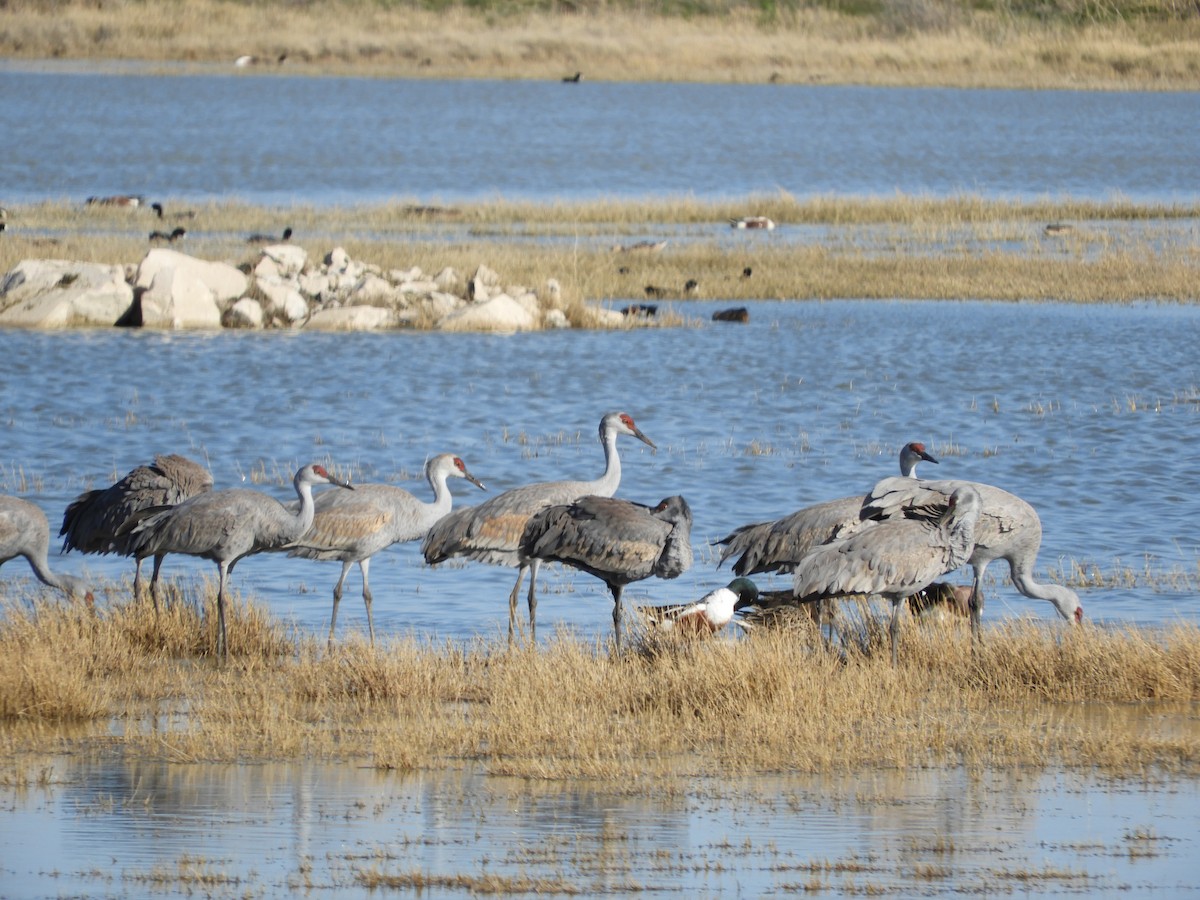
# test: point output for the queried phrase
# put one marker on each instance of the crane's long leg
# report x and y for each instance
(222, 575)
(976, 608)
(512, 600)
(137, 581)
(616, 592)
(337, 598)
(158, 561)
(534, 566)
(897, 606)
(365, 565)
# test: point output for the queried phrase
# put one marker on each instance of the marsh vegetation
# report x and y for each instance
(963, 247)
(1064, 44)
(117, 677)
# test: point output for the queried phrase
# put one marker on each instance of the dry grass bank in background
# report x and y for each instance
(911, 247)
(1122, 700)
(1112, 45)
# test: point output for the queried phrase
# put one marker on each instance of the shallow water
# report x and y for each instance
(1087, 412)
(112, 828)
(285, 140)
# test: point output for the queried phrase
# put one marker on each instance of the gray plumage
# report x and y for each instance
(25, 531)
(91, 521)
(225, 526)
(778, 545)
(892, 558)
(353, 526)
(1008, 529)
(617, 541)
(491, 532)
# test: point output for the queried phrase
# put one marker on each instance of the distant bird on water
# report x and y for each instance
(172, 237)
(893, 558)
(706, 616)
(92, 520)
(226, 526)
(491, 532)
(353, 526)
(25, 531)
(573, 79)
(617, 541)
(270, 238)
(127, 200)
(753, 222)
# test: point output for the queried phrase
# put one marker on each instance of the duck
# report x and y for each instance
(706, 616)
(270, 238)
(170, 238)
(573, 79)
(752, 222)
(128, 200)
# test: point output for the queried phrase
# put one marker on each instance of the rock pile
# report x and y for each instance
(172, 290)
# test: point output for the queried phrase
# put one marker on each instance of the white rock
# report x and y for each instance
(417, 287)
(551, 297)
(288, 257)
(401, 275)
(337, 261)
(555, 318)
(484, 285)
(225, 282)
(56, 293)
(313, 284)
(177, 300)
(283, 300)
(352, 318)
(267, 268)
(439, 304)
(372, 290)
(246, 313)
(501, 313)
(447, 279)
(529, 301)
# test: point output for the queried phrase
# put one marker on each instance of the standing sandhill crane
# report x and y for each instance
(491, 532)
(706, 616)
(225, 526)
(1008, 529)
(777, 546)
(25, 531)
(91, 522)
(617, 541)
(892, 558)
(353, 527)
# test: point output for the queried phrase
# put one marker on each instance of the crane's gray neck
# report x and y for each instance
(68, 584)
(1065, 600)
(606, 485)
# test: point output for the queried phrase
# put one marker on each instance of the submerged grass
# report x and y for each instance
(964, 247)
(1030, 696)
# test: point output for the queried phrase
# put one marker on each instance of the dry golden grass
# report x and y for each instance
(962, 247)
(1032, 695)
(918, 42)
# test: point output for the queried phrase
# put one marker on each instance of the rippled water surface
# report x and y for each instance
(1090, 413)
(341, 140)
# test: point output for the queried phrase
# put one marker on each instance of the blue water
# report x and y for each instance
(1086, 411)
(275, 140)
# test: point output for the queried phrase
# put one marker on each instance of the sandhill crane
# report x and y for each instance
(91, 522)
(225, 526)
(353, 527)
(706, 616)
(618, 541)
(1008, 529)
(777, 546)
(25, 531)
(491, 532)
(892, 558)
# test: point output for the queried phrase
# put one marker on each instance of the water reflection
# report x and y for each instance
(110, 826)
